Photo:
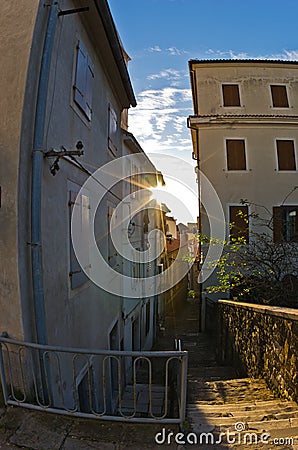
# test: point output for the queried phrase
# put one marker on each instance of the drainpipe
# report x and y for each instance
(37, 163)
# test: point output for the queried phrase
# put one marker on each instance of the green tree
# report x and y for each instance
(258, 271)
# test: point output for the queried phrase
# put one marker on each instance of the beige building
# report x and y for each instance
(245, 137)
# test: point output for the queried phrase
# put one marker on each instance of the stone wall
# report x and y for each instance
(262, 341)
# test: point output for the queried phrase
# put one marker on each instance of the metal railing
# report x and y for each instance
(108, 385)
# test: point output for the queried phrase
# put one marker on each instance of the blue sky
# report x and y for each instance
(161, 36)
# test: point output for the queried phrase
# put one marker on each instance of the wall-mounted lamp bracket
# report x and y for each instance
(73, 11)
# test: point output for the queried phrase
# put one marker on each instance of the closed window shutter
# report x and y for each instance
(236, 154)
(286, 155)
(76, 274)
(238, 221)
(231, 94)
(89, 82)
(81, 73)
(277, 224)
(279, 96)
(112, 130)
(83, 81)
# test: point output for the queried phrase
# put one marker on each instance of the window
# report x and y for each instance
(112, 130)
(236, 159)
(285, 223)
(285, 154)
(83, 81)
(279, 96)
(231, 95)
(239, 222)
(77, 275)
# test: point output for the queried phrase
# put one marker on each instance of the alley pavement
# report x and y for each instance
(223, 410)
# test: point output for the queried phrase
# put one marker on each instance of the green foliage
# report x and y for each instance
(258, 271)
(191, 294)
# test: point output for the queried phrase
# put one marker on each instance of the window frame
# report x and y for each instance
(295, 155)
(272, 99)
(226, 139)
(223, 97)
(279, 239)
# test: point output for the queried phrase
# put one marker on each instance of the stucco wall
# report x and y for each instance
(262, 341)
(17, 21)
(254, 84)
(83, 316)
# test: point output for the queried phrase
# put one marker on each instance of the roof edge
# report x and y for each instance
(105, 14)
(244, 61)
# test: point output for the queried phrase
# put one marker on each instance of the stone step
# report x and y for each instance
(252, 415)
(229, 423)
(245, 406)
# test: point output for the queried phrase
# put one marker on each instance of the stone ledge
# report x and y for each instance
(279, 311)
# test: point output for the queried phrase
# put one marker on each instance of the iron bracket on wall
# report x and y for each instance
(73, 11)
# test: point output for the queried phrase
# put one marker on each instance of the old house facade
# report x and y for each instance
(244, 132)
(71, 92)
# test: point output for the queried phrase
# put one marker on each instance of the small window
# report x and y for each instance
(239, 222)
(83, 81)
(113, 126)
(279, 96)
(285, 154)
(285, 224)
(236, 159)
(231, 95)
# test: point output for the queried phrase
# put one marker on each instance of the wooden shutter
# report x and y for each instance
(231, 94)
(238, 221)
(80, 81)
(277, 224)
(113, 126)
(286, 155)
(76, 274)
(88, 91)
(279, 96)
(83, 81)
(236, 154)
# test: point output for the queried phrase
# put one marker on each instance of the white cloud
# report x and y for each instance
(168, 74)
(156, 48)
(290, 54)
(287, 55)
(175, 51)
(159, 120)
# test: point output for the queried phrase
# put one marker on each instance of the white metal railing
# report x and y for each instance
(104, 384)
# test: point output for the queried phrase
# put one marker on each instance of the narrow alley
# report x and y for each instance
(220, 405)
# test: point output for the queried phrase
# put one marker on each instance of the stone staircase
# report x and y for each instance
(254, 419)
(237, 413)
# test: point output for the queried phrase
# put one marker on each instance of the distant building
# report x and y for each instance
(245, 139)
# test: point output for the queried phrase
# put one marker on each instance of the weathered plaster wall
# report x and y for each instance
(17, 21)
(262, 341)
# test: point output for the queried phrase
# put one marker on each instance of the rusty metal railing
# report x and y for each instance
(108, 385)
